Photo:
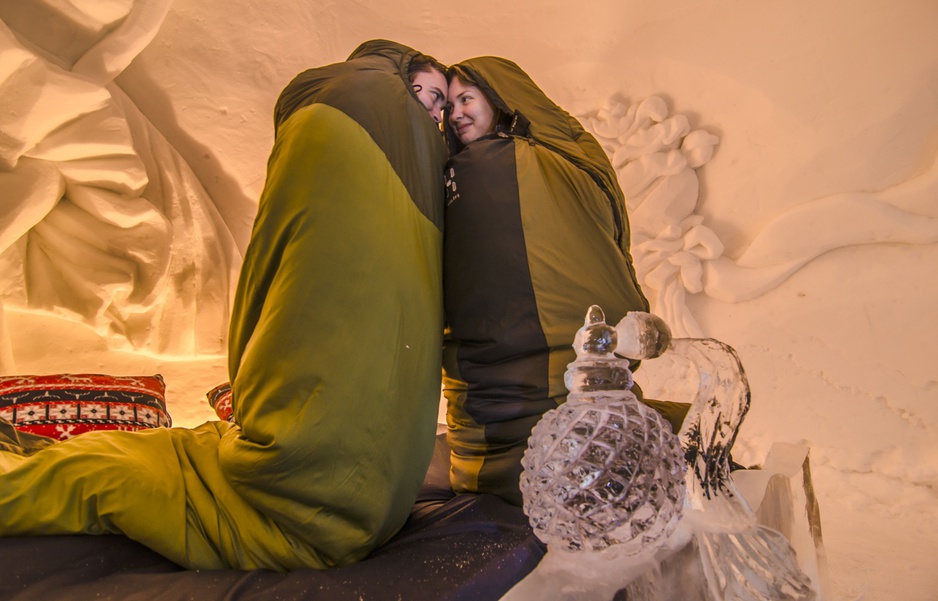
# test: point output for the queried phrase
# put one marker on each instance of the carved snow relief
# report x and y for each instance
(101, 220)
(656, 156)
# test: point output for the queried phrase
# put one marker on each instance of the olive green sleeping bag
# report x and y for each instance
(536, 231)
(334, 356)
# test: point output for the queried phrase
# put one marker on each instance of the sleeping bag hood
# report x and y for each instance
(535, 232)
(373, 73)
(535, 117)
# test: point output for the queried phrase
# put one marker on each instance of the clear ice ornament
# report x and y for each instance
(602, 472)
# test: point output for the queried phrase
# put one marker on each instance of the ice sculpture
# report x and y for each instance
(712, 549)
(602, 471)
(735, 557)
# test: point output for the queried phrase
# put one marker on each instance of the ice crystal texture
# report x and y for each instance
(602, 471)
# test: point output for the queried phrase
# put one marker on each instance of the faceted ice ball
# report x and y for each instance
(642, 336)
(603, 472)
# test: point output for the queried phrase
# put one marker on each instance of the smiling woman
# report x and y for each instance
(472, 115)
(536, 232)
(471, 112)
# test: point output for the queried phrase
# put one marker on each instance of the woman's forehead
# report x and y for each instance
(457, 87)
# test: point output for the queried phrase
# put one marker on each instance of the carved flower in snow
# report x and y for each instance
(677, 252)
(655, 157)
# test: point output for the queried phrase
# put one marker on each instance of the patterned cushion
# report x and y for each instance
(61, 406)
(220, 400)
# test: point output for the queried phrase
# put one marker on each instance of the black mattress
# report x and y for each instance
(472, 547)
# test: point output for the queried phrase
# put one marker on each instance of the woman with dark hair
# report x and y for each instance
(472, 113)
(536, 232)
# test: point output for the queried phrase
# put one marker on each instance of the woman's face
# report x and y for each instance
(430, 87)
(471, 116)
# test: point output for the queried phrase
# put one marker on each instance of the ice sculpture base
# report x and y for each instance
(781, 495)
(597, 576)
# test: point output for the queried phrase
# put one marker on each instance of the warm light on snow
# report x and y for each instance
(781, 165)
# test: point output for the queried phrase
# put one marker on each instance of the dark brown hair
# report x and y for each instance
(423, 63)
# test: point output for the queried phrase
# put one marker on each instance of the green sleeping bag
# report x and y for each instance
(536, 232)
(334, 356)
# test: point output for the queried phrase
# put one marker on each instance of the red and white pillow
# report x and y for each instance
(61, 406)
(220, 400)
